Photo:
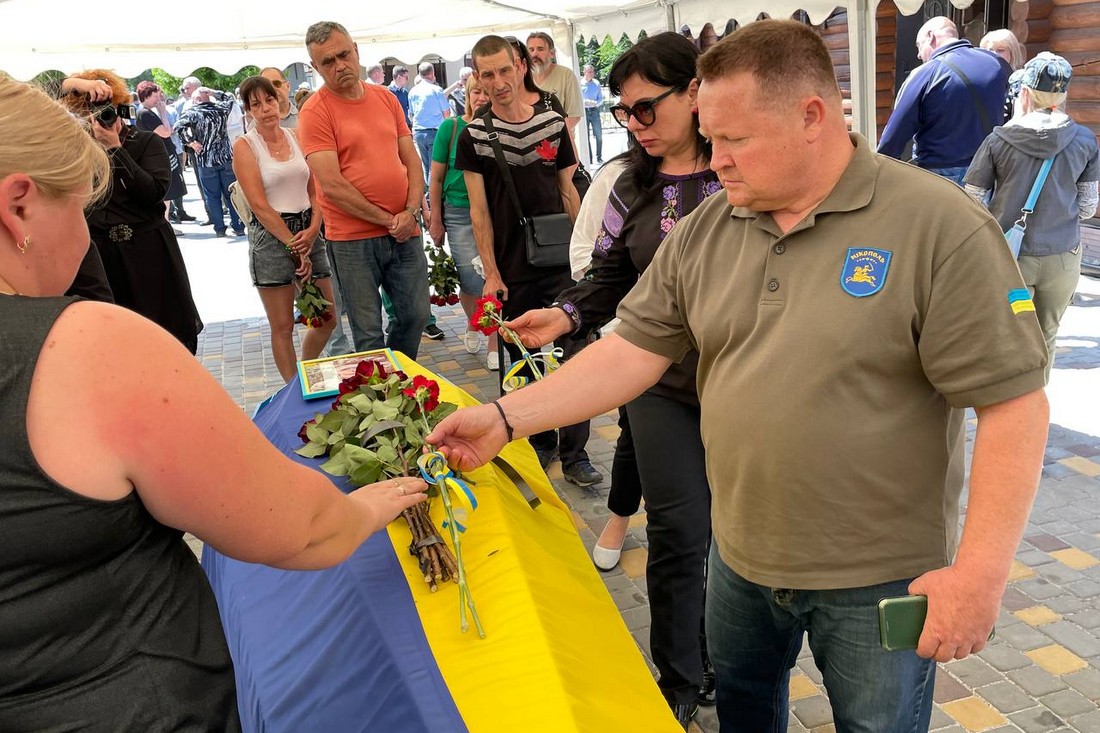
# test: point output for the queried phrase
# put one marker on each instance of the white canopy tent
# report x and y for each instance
(68, 35)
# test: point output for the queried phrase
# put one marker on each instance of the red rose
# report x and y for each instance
(452, 299)
(327, 315)
(350, 384)
(315, 322)
(302, 431)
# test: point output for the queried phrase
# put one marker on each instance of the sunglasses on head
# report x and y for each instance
(645, 111)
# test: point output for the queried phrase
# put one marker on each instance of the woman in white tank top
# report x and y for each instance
(284, 232)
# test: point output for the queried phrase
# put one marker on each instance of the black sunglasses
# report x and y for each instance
(644, 111)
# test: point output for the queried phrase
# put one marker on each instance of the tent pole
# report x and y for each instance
(670, 15)
(861, 49)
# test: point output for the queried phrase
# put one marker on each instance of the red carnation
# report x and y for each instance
(486, 316)
(425, 391)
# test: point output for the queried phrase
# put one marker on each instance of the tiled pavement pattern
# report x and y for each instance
(1042, 673)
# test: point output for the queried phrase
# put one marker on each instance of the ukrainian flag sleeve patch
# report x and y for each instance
(1020, 301)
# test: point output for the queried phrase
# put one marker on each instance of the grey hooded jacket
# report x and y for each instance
(1008, 162)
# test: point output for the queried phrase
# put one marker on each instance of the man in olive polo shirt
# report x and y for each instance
(841, 331)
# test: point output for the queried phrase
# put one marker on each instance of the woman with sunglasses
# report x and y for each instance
(140, 253)
(666, 177)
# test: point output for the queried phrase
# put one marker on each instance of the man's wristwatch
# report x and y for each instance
(570, 310)
(414, 212)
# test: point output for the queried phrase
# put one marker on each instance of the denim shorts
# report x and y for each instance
(270, 263)
(460, 241)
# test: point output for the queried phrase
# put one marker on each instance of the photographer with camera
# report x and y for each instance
(140, 253)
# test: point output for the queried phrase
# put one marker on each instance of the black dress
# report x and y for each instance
(107, 622)
(140, 253)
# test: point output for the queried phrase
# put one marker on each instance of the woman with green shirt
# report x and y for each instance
(450, 214)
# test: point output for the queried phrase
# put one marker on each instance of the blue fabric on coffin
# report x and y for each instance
(331, 650)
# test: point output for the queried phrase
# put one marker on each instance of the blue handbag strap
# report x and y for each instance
(1040, 179)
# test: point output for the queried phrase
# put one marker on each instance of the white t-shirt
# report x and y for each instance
(285, 181)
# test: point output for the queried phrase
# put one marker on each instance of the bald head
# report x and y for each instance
(936, 32)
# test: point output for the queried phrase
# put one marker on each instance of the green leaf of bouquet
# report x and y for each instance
(316, 434)
(384, 410)
(387, 454)
(443, 410)
(336, 465)
(360, 402)
(358, 456)
(350, 424)
(412, 435)
(331, 421)
(366, 474)
(312, 450)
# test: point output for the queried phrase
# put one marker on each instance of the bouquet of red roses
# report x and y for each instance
(442, 276)
(310, 306)
(375, 430)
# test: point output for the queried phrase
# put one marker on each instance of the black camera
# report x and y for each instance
(106, 113)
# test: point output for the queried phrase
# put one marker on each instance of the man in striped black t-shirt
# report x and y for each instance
(541, 160)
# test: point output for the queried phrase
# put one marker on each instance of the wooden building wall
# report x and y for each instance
(834, 32)
(886, 48)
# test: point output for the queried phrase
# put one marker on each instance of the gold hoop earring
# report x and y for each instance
(24, 245)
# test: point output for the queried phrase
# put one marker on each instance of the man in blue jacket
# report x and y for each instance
(949, 104)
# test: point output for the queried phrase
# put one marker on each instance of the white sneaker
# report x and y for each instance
(472, 341)
(492, 361)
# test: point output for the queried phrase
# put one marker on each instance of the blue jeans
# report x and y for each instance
(754, 634)
(460, 240)
(595, 125)
(366, 264)
(952, 174)
(338, 342)
(425, 140)
(215, 181)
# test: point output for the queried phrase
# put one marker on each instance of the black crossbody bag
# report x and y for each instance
(546, 236)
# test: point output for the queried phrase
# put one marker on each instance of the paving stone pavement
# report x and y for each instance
(1042, 671)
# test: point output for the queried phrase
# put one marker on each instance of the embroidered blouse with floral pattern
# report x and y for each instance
(635, 223)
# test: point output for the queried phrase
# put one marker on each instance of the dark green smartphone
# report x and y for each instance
(901, 621)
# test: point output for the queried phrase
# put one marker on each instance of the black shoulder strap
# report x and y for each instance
(983, 116)
(494, 141)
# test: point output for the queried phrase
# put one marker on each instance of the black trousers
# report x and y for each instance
(669, 452)
(626, 485)
(569, 441)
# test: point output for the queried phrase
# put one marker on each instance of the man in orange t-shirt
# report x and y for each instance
(360, 150)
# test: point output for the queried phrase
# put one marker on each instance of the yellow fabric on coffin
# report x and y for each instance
(558, 657)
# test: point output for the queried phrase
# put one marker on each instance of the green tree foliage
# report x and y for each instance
(171, 84)
(623, 45)
(642, 35)
(606, 55)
